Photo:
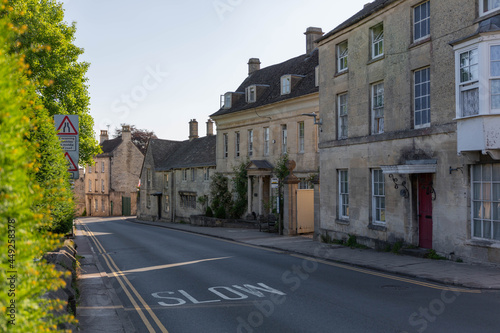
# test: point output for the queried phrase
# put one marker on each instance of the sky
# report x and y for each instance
(157, 64)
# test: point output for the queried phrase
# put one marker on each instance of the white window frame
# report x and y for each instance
(225, 144)
(250, 142)
(377, 108)
(484, 10)
(266, 141)
(421, 23)
(167, 204)
(102, 185)
(470, 83)
(237, 144)
(284, 138)
(96, 205)
(286, 84)
(342, 54)
(377, 41)
(342, 112)
(422, 97)
(343, 176)
(102, 167)
(378, 197)
(251, 94)
(184, 174)
(90, 168)
(90, 185)
(206, 173)
(227, 100)
(485, 195)
(301, 136)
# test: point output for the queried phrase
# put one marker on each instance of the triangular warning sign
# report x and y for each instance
(72, 166)
(66, 127)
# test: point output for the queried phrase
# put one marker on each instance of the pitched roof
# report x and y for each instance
(109, 145)
(367, 10)
(169, 154)
(162, 150)
(303, 65)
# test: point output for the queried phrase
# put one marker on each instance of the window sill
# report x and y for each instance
(342, 221)
(420, 42)
(371, 61)
(486, 16)
(490, 244)
(345, 71)
(377, 227)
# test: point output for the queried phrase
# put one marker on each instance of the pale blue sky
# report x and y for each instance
(157, 64)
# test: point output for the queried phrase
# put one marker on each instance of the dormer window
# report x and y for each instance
(286, 84)
(251, 94)
(227, 100)
(488, 6)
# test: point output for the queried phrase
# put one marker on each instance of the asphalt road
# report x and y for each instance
(173, 281)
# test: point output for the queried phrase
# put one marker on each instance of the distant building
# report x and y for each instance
(175, 174)
(410, 141)
(79, 193)
(263, 119)
(111, 183)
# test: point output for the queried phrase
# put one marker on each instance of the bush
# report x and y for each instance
(20, 221)
(220, 213)
(209, 212)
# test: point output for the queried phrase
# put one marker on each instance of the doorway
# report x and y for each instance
(425, 194)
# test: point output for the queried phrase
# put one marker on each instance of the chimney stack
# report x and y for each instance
(193, 129)
(210, 127)
(312, 34)
(126, 134)
(104, 136)
(253, 65)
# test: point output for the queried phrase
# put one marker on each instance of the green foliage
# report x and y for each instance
(351, 241)
(396, 248)
(46, 41)
(431, 254)
(19, 193)
(219, 192)
(220, 212)
(240, 190)
(209, 212)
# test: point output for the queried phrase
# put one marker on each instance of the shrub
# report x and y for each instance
(209, 212)
(220, 213)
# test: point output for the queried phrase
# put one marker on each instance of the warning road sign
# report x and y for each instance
(66, 127)
(71, 165)
(67, 132)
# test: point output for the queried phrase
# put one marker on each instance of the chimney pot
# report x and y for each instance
(104, 136)
(210, 127)
(253, 65)
(193, 129)
(312, 34)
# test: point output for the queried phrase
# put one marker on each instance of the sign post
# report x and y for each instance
(67, 131)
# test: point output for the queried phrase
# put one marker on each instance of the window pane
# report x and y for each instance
(477, 228)
(487, 232)
(486, 174)
(476, 208)
(496, 230)
(496, 172)
(496, 192)
(470, 102)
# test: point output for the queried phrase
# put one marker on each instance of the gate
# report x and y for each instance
(126, 206)
(305, 211)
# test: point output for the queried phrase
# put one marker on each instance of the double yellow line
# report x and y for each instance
(124, 282)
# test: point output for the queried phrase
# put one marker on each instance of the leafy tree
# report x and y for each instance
(140, 137)
(23, 308)
(240, 189)
(221, 197)
(46, 42)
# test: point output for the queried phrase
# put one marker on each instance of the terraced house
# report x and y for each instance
(175, 174)
(264, 118)
(410, 146)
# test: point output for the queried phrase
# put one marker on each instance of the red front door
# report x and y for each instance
(425, 193)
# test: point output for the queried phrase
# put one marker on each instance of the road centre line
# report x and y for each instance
(119, 275)
(392, 277)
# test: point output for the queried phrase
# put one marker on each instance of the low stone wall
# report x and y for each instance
(205, 221)
(64, 260)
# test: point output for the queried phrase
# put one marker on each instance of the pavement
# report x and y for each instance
(97, 298)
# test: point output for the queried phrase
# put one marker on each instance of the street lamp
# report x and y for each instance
(316, 122)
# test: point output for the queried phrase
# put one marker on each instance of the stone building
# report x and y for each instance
(111, 183)
(268, 115)
(410, 141)
(78, 186)
(175, 174)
